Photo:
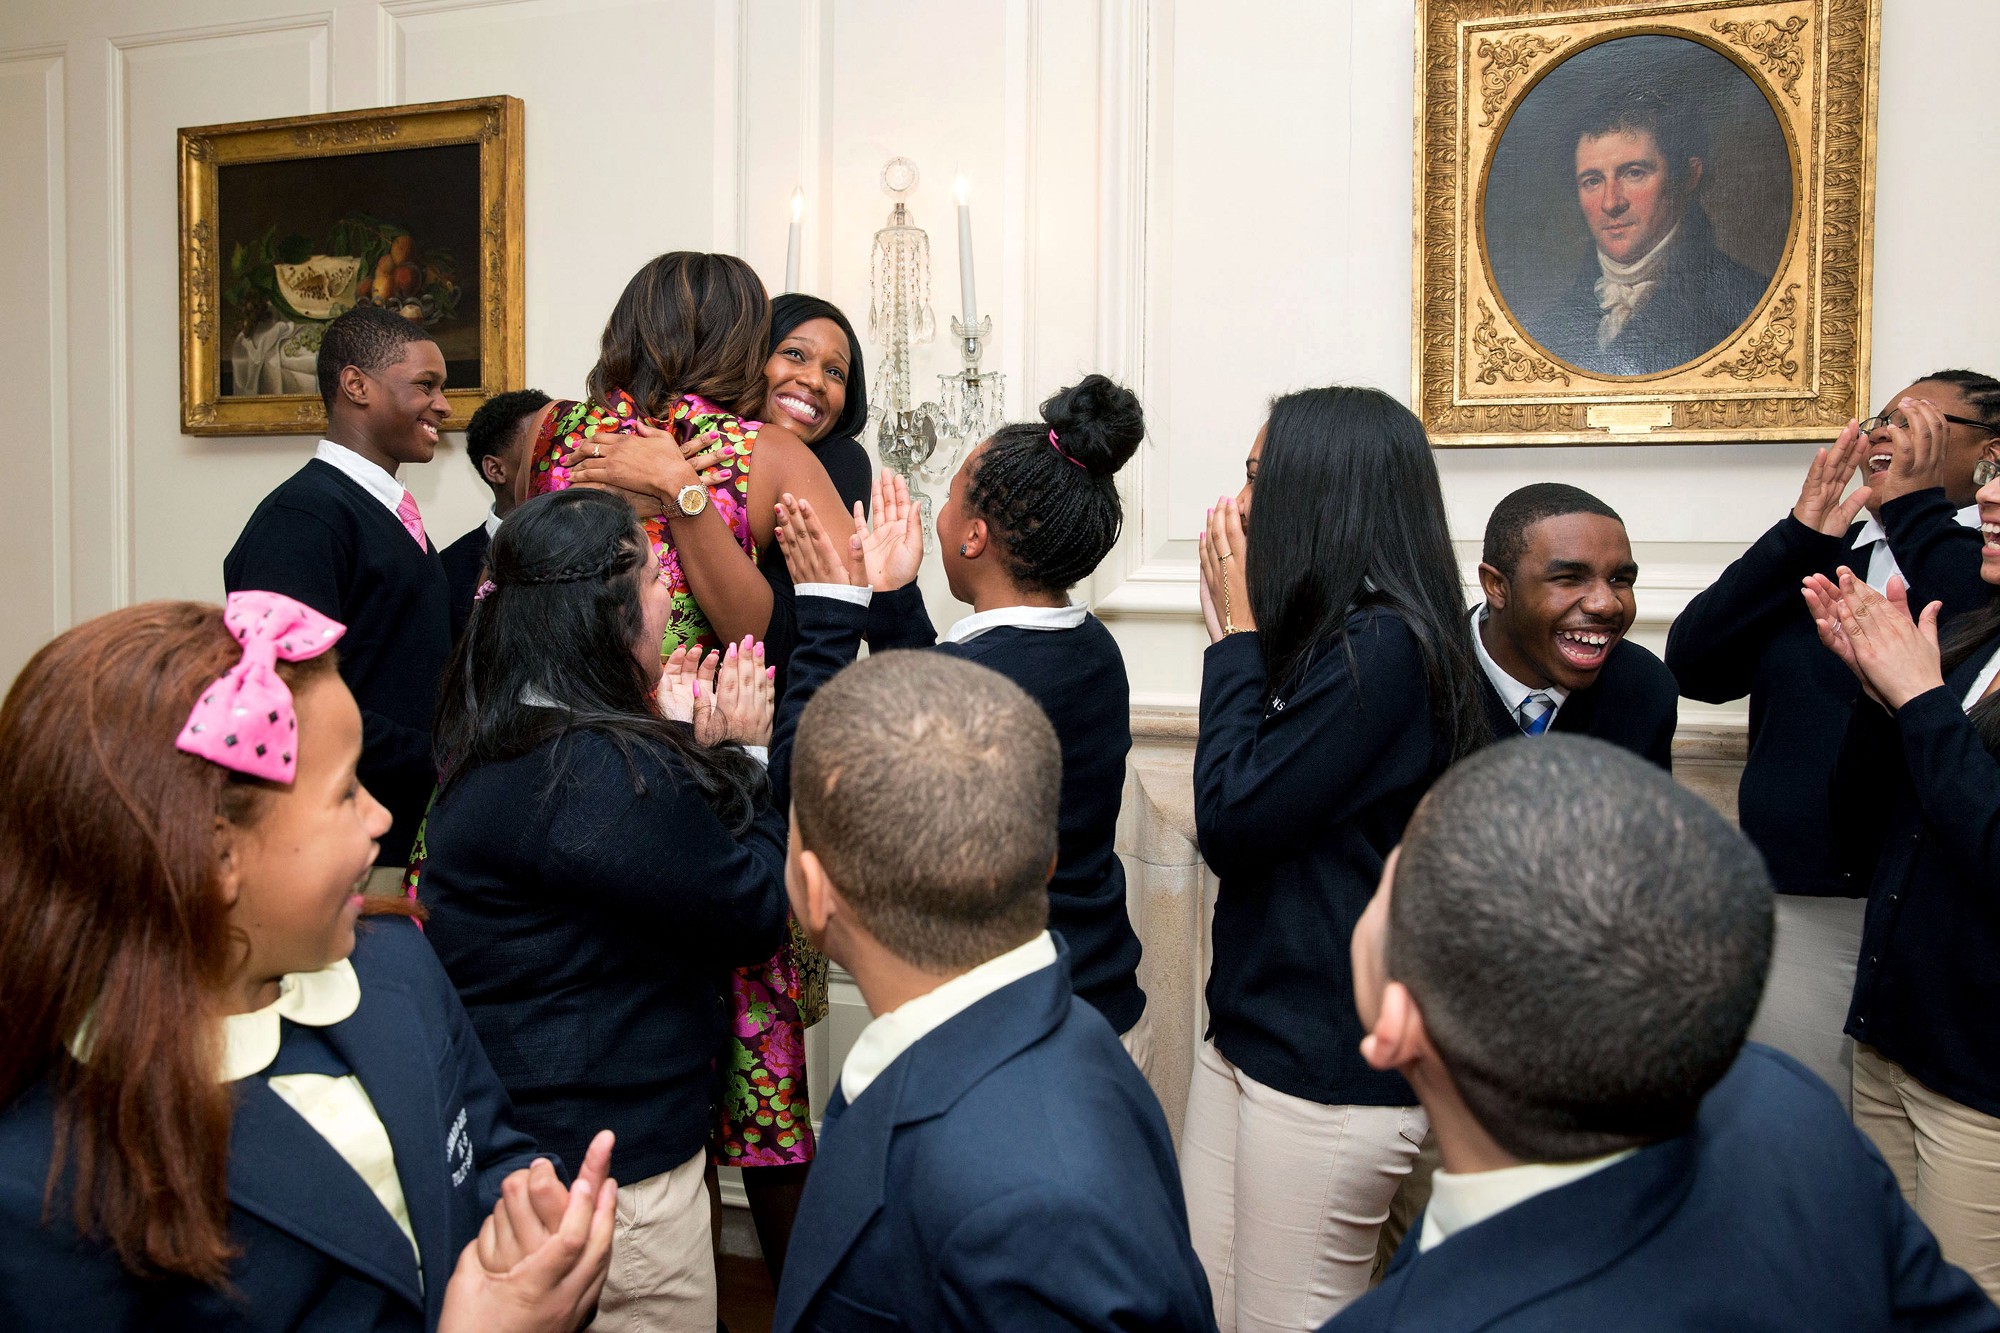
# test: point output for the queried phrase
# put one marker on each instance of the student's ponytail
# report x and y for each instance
(1047, 488)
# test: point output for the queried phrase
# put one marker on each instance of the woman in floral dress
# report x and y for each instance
(680, 366)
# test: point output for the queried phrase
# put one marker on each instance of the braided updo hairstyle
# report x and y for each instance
(1053, 506)
(549, 650)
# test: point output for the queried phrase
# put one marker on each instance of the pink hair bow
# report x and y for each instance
(245, 720)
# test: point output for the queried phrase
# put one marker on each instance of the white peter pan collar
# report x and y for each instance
(316, 999)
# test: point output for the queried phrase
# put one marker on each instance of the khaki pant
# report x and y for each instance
(662, 1277)
(1945, 1156)
(1286, 1197)
(1138, 1043)
(1812, 980)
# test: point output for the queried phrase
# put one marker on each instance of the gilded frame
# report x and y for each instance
(1796, 370)
(493, 123)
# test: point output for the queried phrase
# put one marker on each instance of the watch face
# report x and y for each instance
(693, 499)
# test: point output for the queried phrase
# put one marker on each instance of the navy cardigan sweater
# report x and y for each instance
(1298, 803)
(1927, 984)
(1750, 634)
(1078, 677)
(590, 929)
(323, 540)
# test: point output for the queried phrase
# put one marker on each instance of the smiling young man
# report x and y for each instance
(1655, 292)
(1557, 571)
(1562, 958)
(343, 536)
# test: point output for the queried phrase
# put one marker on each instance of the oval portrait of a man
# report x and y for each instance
(1638, 203)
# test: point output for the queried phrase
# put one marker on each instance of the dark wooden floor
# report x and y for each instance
(744, 1299)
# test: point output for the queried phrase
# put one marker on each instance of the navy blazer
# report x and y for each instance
(1928, 976)
(1773, 1214)
(1077, 676)
(1011, 1170)
(464, 564)
(1633, 703)
(1750, 634)
(1298, 803)
(316, 1249)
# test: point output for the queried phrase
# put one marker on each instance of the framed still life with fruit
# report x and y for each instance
(287, 223)
(1643, 220)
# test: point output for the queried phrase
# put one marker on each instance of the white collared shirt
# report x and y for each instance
(1460, 1201)
(1512, 692)
(336, 1106)
(492, 522)
(910, 1022)
(1882, 564)
(1016, 617)
(1983, 681)
(974, 625)
(369, 476)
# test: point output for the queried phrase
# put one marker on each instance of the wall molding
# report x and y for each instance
(53, 60)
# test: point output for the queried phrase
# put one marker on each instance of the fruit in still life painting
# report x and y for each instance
(363, 260)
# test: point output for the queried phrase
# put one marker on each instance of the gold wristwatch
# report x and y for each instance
(693, 498)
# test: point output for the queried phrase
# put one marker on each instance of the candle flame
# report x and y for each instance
(798, 202)
(964, 190)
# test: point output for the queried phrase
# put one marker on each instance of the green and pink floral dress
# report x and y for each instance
(763, 1117)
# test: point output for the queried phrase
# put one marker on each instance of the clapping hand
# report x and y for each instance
(676, 694)
(810, 554)
(1224, 545)
(738, 698)
(891, 541)
(540, 1258)
(1895, 655)
(1820, 506)
(1916, 454)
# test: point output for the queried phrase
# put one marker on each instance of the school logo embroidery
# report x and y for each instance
(458, 1150)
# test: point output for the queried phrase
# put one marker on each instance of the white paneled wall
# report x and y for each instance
(1208, 198)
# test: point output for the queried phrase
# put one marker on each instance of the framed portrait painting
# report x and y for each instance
(287, 223)
(1643, 222)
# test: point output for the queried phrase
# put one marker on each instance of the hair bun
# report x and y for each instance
(1097, 422)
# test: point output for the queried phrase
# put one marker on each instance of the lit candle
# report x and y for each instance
(792, 242)
(965, 255)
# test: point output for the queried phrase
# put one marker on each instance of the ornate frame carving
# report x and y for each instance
(494, 123)
(1798, 370)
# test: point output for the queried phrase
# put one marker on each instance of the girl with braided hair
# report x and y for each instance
(602, 852)
(1030, 514)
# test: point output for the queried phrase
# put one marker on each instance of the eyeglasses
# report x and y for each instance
(1875, 423)
(1985, 470)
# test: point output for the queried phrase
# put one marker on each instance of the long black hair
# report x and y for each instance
(795, 308)
(548, 651)
(1967, 634)
(1046, 487)
(1348, 513)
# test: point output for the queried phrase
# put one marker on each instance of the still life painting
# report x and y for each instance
(290, 223)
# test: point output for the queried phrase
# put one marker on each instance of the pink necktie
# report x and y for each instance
(413, 522)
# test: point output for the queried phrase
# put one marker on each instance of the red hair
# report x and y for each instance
(111, 913)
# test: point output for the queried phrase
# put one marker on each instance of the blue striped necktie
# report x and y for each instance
(1535, 714)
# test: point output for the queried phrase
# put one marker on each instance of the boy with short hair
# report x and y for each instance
(1558, 574)
(343, 536)
(991, 1157)
(1563, 958)
(497, 441)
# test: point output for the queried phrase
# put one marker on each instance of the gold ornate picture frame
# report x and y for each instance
(1643, 222)
(286, 223)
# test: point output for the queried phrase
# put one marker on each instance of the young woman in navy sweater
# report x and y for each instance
(597, 863)
(1338, 684)
(1030, 513)
(1925, 748)
(224, 1104)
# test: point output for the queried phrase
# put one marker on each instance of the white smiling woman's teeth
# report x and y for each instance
(800, 407)
(1989, 536)
(1878, 462)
